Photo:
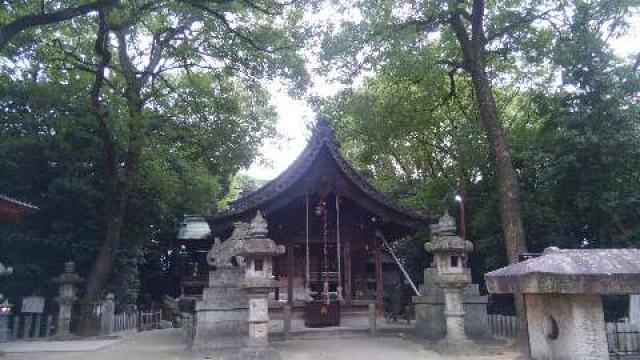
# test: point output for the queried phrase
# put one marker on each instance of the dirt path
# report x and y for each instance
(167, 345)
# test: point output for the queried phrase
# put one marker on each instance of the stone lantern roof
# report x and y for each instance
(257, 244)
(444, 238)
(565, 271)
(69, 276)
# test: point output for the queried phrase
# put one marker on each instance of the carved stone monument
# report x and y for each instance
(67, 282)
(258, 250)
(221, 315)
(562, 292)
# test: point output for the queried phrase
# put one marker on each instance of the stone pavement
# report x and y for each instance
(167, 345)
(56, 346)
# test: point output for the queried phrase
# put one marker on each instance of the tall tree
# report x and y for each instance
(144, 57)
(479, 38)
(48, 137)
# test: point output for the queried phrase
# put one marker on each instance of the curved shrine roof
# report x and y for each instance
(322, 139)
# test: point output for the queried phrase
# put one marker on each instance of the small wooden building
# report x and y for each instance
(328, 217)
(12, 210)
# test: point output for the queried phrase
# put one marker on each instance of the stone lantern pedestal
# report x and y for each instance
(221, 314)
(67, 282)
(562, 292)
(453, 278)
(258, 251)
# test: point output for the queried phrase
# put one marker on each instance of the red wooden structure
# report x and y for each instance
(12, 210)
(327, 216)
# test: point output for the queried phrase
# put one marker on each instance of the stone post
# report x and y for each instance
(5, 309)
(5, 316)
(286, 314)
(373, 326)
(634, 312)
(454, 313)
(258, 251)
(107, 322)
(66, 297)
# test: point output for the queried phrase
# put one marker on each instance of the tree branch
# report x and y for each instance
(158, 46)
(526, 19)
(8, 31)
(460, 31)
(223, 19)
(104, 57)
(264, 10)
(477, 20)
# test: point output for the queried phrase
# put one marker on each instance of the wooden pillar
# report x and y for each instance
(379, 281)
(347, 273)
(364, 283)
(339, 249)
(290, 274)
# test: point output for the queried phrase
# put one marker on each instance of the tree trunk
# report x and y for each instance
(473, 50)
(119, 182)
(508, 187)
(103, 265)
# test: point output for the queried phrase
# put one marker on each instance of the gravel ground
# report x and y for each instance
(167, 345)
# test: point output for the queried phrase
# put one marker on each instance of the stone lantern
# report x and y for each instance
(67, 282)
(450, 253)
(562, 292)
(5, 308)
(5, 270)
(258, 251)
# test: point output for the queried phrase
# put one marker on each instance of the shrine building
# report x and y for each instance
(333, 223)
(12, 210)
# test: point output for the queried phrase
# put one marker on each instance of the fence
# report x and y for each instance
(623, 339)
(125, 321)
(503, 325)
(149, 320)
(27, 327)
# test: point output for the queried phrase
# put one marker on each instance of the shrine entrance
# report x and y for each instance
(330, 221)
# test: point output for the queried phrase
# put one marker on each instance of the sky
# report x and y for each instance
(295, 116)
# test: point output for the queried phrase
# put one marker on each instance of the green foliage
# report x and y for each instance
(50, 155)
(574, 145)
(150, 104)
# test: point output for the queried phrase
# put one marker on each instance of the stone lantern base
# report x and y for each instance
(567, 326)
(257, 353)
(221, 315)
(430, 319)
(458, 347)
